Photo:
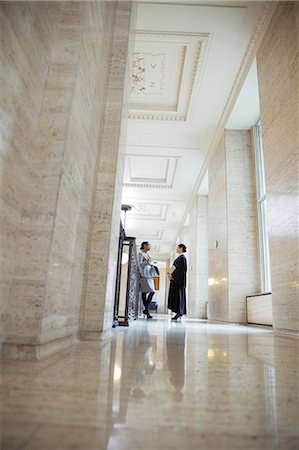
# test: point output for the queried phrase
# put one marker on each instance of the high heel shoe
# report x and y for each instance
(176, 317)
(147, 314)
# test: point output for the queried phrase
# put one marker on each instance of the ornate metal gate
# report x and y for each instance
(127, 281)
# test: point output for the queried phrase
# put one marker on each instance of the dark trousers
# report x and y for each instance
(146, 299)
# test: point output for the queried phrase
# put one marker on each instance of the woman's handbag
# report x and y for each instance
(156, 283)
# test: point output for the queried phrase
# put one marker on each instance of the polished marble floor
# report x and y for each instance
(158, 385)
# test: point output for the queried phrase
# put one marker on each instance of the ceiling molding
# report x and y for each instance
(176, 145)
(229, 38)
(242, 73)
(187, 78)
(239, 80)
(147, 186)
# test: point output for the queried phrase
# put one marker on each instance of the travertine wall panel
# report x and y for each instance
(233, 252)
(218, 307)
(28, 34)
(242, 223)
(98, 295)
(202, 267)
(77, 181)
(57, 62)
(198, 258)
(278, 74)
(191, 279)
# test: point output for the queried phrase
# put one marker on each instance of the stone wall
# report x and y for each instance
(99, 288)
(233, 251)
(218, 308)
(278, 75)
(198, 258)
(242, 230)
(56, 58)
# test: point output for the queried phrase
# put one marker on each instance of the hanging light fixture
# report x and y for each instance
(125, 209)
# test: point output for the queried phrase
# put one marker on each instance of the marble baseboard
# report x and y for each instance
(287, 333)
(36, 352)
(101, 336)
(259, 309)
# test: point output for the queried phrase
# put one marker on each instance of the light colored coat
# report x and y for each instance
(147, 271)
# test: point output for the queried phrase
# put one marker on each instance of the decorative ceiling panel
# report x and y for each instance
(166, 74)
(151, 88)
(150, 171)
(146, 211)
(155, 169)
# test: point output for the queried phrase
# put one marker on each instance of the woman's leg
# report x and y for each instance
(150, 296)
(148, 300)
(144, 301)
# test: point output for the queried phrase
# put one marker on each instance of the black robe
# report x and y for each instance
(177, 288)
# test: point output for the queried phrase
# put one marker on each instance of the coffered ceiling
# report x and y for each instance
(189, 64)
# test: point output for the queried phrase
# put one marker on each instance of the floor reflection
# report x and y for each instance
(158, 385)
(133, 364)
(175, 344)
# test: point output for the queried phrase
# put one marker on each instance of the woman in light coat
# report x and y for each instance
(147, 271)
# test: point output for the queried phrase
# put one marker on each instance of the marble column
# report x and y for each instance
(278, 75)
(217, 237)
(56, 64)
(198, 259)
(242, 232)
(233, 255)
(98, 293)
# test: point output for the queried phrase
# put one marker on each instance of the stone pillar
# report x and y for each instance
(54, 100)
(242, 233)
(278, 75)
(217, 237)
(98, 294)
(233, 255)
(198, 258)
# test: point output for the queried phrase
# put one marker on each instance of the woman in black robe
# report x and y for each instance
(177, 289)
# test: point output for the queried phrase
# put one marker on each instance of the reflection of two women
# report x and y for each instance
(144, 364)
(175, 343)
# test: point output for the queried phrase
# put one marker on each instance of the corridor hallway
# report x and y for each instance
(158, 385)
